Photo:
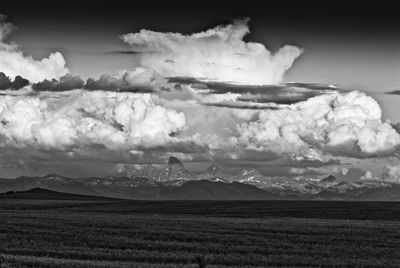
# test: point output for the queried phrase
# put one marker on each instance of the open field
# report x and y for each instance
(198, 233)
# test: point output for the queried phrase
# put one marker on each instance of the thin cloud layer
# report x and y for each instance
(394, 92)
(216, 54)
(13, 62)
(251, 96)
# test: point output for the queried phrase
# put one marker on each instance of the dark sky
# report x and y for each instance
(306, 16)
(289, 21)
(352, 45)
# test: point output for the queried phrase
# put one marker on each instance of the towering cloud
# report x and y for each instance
(13, 62)
(217, 54)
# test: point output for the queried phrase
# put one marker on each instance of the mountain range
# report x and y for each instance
(174, 181)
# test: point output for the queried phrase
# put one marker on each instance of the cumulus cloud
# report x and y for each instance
(339, 123)
(13, 62)
(368, 176)
(335, 124)
(113, 120)
(6, 83)
(218, 54)
(138, 80)
(396, 127)
(392, 174)
(19, 82)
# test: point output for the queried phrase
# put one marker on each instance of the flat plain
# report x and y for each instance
(115, 233)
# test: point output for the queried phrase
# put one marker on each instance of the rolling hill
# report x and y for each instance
(44, 194)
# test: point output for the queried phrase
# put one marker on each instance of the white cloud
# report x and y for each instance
(336, 123)
(368, 176)
(392, 174)
(347, 124)
(217, 54)
(138, 80)
(340, 123)
(79, 118)
(13, 62)
(143, 78)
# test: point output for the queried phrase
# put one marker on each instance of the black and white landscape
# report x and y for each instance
(173, 182)
(199, 134)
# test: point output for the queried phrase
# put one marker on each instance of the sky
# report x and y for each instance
(363, 39)
(334, 56)
(355, 47)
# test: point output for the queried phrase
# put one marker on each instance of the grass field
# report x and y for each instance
(199, 234)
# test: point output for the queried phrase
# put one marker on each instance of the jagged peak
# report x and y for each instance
(50, 175)
(174, 161)
(330, 178)
(54, 177)
(213, 169)
(248, 171)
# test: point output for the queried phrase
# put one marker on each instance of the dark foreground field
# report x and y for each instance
(95, 233)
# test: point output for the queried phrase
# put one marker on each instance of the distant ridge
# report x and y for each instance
(329, 179)
(173, 181)
(45, 194)
(173, 160)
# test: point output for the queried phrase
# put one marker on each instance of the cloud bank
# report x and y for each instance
(331, 124)
(14, 63)
(216, 54)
